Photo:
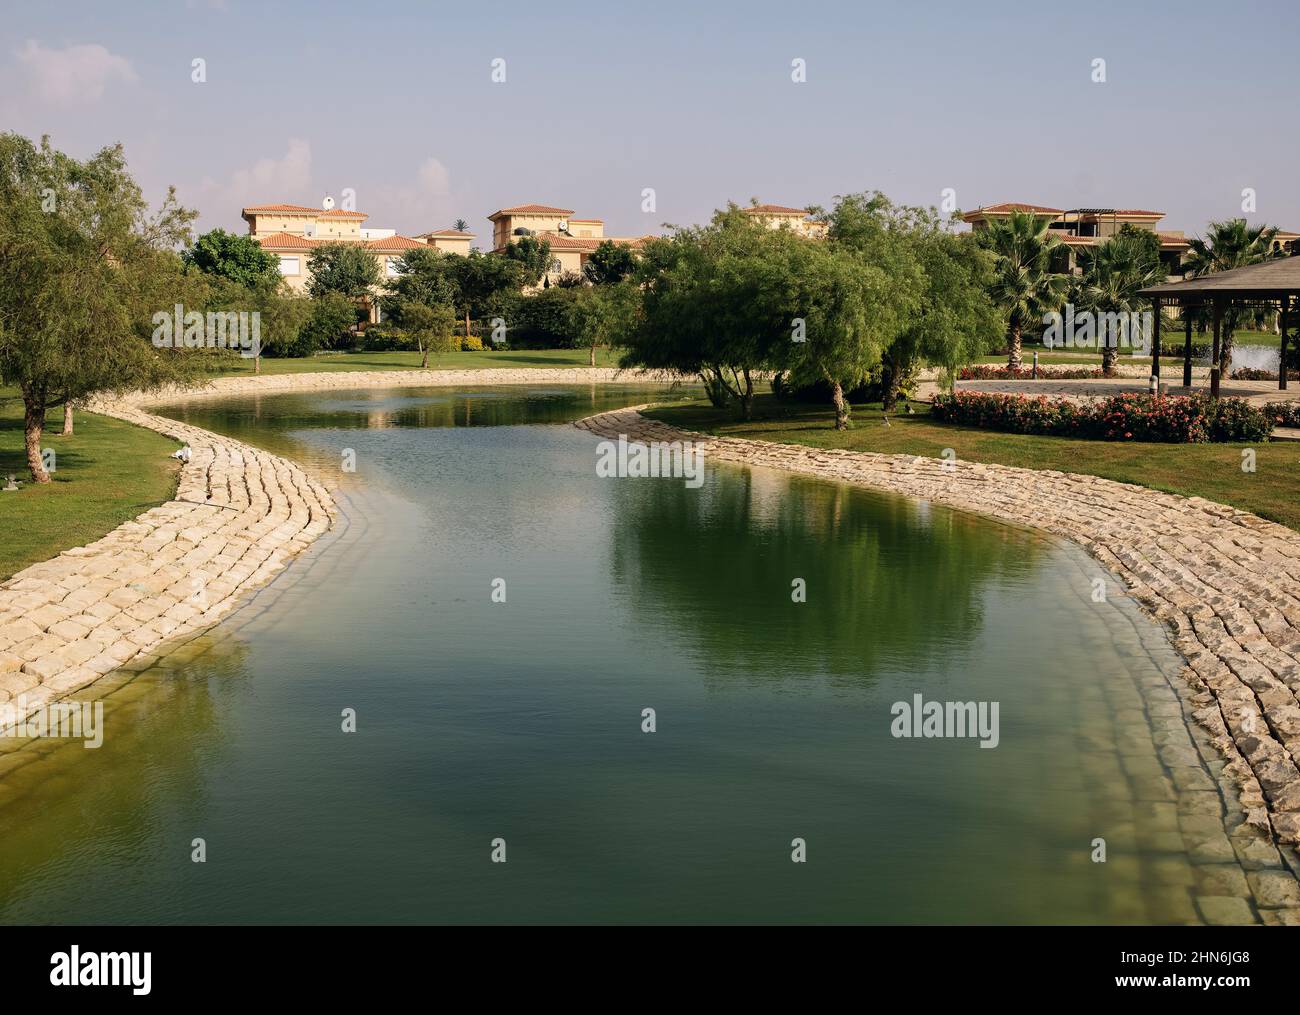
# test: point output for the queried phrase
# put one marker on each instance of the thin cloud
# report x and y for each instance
(75, 75)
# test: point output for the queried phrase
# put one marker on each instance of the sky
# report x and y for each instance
(993, 101)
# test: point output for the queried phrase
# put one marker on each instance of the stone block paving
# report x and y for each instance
(1226, 586)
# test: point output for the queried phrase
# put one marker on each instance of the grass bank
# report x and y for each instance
(106, 473)
(1212, 471)
(486, 360)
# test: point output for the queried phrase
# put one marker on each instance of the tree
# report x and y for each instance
(533, 255)
(432, 326)
(600, 314)
(329, 317)
(1023, 285)
(346, 268)
(460, 225)
(1230, 244)
(700, 309)
(1114, 273)
(480, 279)
(609, 264)
(425, 276)
(84, 268)
(238, 258)
(950, 319)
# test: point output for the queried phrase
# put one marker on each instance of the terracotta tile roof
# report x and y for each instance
(396, 243)
(775, 209)
(339, 213)
(561, 242)
(600, 221)
(298, 208)
(531, 209)
(448, 232)
(1010, 206)
(286, 241)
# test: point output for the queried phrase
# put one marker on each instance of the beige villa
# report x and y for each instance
(777, 216)
(1086, 227)
(572, 240)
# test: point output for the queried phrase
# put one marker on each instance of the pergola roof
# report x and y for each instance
(1276, 277)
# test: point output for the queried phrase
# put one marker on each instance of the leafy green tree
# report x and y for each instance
(433, 327)
(84, 267)
(600, 314)
(1114, 273)
(346, 268)
(610, 263)
(460, 225)
(481, 280)
(700, 310)
(1024, 286)
(533, 255)
(330, 317)
(238, 258)
(1230, 244)
(425, 276)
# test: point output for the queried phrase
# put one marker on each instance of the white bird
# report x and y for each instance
(183, 454)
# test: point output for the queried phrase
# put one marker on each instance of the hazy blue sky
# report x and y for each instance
(995, 100)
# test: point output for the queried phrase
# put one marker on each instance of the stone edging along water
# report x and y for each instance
(1224, 582)
(239, 516)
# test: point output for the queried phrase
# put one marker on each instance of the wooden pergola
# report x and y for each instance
(1274, 284)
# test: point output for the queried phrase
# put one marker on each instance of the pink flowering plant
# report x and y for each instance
(991, 372)
(1165, 419)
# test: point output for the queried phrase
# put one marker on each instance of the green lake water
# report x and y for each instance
(522, 720)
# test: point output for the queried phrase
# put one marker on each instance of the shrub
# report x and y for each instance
(1253, 374)
(1166, 419)
(990, 372)
(1284, 413)
(471, 343)
(385, 338)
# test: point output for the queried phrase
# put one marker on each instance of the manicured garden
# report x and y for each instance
(234, 365)
(1213, 471)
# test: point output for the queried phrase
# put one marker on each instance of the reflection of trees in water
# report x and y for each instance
(162, 729)
(890, 581)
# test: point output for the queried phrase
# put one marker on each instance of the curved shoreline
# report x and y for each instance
(1225, 584)
(239, 516)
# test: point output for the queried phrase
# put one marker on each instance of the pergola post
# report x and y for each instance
(1187, 347)
(1214, 354)
(1155, 346)
(1281, 356)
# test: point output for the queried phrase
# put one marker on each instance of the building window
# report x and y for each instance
(556, 266)
(290, 266)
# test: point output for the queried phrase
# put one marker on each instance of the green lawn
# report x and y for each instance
(411, 361)
(107, 472)
(1212, 471)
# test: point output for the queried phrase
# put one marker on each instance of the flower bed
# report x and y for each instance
(988, 372)
(1284, 413)
(1195, 419)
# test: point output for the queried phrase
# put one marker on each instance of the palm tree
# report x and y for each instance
(1024, 286)
(461, 226)
(1113, 275)
(1230, 244)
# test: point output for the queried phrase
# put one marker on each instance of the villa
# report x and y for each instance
(572, 241)
(776, 216)
(1086, 227)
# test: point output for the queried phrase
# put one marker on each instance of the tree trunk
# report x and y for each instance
(1109, 356)
(1014, 360)
(593, 354)
(891, 388)
(257, 364)
(841, 406)
(747, 397)
(424, 354)
(67, 419)
(467, 322)
(1225, 350)
(33, 429)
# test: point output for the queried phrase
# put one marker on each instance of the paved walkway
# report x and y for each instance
(1225, 583)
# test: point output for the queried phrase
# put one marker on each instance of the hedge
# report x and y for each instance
(1165, 419)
